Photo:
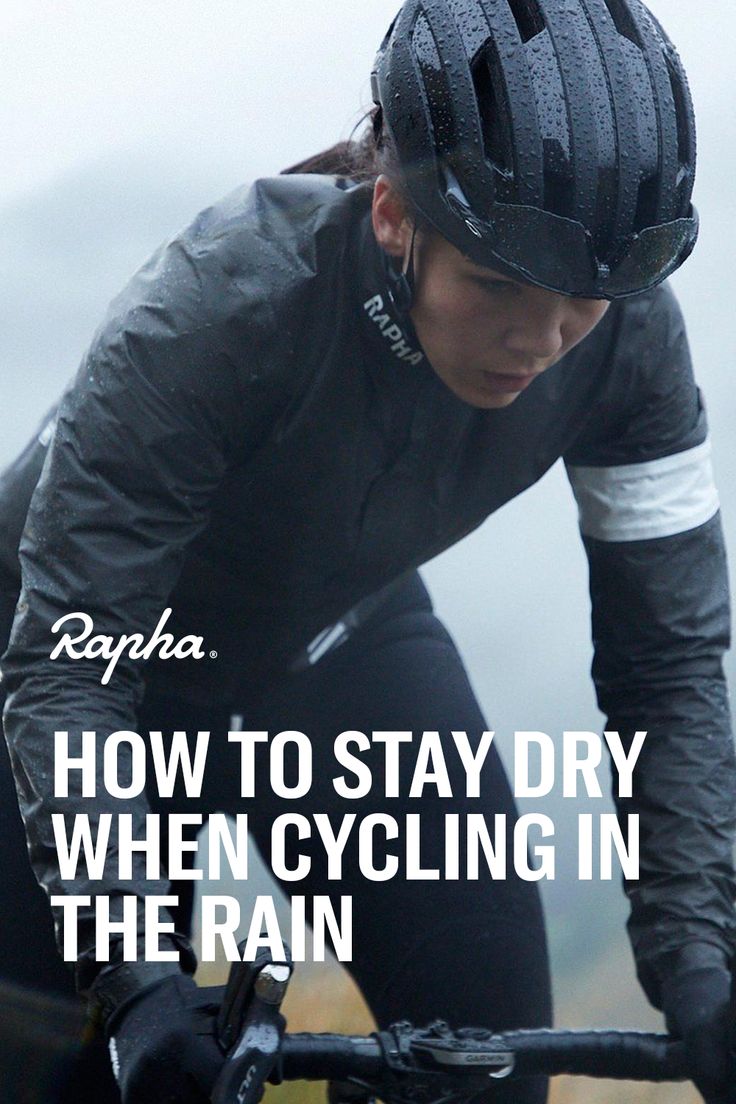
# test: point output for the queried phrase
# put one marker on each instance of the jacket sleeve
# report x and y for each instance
(143, 438)
(642, 477)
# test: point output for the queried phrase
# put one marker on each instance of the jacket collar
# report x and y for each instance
(386, 328)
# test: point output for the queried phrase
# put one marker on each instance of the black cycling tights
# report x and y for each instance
(470, 952)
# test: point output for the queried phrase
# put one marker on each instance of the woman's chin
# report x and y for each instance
(481, 397)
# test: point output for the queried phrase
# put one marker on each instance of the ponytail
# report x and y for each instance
(361, 159)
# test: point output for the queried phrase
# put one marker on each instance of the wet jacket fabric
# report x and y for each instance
(256, 439)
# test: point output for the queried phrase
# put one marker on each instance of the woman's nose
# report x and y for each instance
(537, 333)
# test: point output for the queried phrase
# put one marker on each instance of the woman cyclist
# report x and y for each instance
(319, 385)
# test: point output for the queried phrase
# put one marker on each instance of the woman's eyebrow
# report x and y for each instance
(493, 277)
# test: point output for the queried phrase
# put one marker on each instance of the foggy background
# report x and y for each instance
(119, 121)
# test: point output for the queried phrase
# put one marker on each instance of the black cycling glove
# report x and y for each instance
(696, 1000)
(162, 1043)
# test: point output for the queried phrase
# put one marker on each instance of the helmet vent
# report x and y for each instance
(646, 207)
(623, 20)
(558, 192)
(497, 143)
(528, 18)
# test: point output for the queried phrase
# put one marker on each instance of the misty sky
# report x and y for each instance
(119, 120)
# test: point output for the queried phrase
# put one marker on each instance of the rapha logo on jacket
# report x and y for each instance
(374, 307)
(107, 647)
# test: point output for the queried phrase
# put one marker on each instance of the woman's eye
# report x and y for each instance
(496, 285)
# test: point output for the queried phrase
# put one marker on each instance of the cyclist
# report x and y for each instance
(317, 386)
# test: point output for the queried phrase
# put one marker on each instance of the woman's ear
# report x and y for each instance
(391, 224)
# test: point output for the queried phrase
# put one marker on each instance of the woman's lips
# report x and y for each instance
(504, 384)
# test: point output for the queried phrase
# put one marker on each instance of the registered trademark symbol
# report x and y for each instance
(213, 655)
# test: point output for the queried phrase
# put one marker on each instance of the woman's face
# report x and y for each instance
(486, 336)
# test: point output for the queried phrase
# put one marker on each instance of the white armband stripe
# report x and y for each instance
(657, 498)
(47, 432)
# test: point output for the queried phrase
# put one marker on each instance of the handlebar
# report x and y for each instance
(616, 1055)
(408, 1065)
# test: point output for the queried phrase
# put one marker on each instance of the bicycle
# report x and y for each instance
(407, 1065)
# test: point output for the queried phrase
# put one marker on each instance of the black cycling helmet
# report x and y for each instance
(551, 139)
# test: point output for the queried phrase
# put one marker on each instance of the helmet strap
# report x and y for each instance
(402, 283)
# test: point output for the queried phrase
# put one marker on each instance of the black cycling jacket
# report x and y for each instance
(256, 439)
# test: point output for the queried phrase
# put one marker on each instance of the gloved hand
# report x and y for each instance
(162, 1044)
(696, 1000)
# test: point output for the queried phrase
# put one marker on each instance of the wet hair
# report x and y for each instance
(363, 158)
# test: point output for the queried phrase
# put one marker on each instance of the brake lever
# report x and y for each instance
(250, 1026)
